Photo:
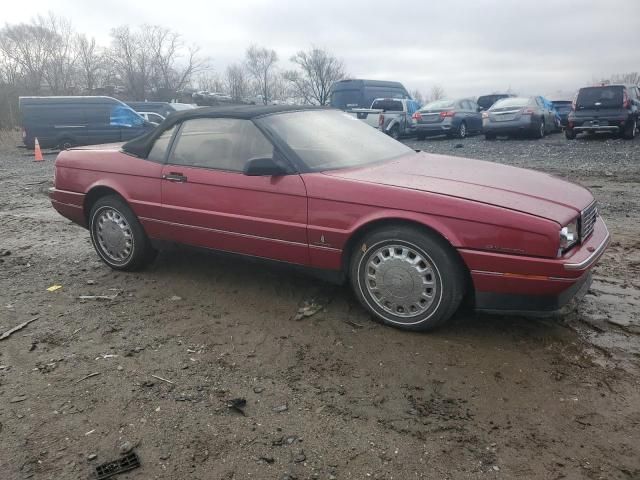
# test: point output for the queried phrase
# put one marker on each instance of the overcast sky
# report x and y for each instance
(469, 47)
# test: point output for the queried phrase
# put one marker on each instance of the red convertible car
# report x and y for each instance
(413, 233)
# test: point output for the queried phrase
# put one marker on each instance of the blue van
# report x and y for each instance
(355, 93)
(69, 121)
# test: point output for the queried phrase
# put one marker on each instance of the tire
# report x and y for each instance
(630, 131)
(541, 131)
(421, 136)
(570, 134)
(407, 257)
(66, 143)
(489, 136)
(462, 131)
(117, 236)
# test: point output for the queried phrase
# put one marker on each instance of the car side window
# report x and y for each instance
(220, 144)
(158, 152)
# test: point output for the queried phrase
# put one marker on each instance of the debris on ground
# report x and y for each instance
(308, 310)
(99, 297)
(88, 376)
(115, 467)
(280, 408)
(11, 331)
(53, 288)
(163, 379)
(237, 404)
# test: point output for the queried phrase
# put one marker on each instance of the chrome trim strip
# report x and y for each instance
(591, 259)
(225, 232)
(79, 207)
(524, 275)
(69, 126)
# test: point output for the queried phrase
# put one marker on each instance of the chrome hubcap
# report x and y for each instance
(114, 235)
(401, 280)
(463, 130)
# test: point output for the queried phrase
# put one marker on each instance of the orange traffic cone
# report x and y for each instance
(38, 152)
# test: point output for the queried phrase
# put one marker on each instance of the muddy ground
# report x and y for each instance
(333, 396)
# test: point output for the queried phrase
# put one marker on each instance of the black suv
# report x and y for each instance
(607, 108)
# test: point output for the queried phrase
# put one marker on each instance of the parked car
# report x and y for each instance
(486, 101)
(357, 93)
(606, 108)
(67, 121)
(563, 107)
(448, 117)
(393, 116)
(163, 108)
(517, 116)
(414, 233)
(152, 117)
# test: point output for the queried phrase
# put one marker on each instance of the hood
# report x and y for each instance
(519, 189)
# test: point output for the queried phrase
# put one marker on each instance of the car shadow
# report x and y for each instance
(204, 273)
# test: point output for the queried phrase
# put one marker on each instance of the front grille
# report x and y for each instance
(588, 221)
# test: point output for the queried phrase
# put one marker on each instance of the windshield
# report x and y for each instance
(599, 97)
(438, 105)
(329, 139)
(510, 102)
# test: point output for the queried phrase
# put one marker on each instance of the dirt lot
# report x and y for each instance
(332, 396)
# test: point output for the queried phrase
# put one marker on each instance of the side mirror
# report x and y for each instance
(480, 109)
(262, 167)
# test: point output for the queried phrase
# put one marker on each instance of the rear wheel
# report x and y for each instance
(570, 133)
(407, 278)
(395, 132)
(66, 143)
(462, 130)
(630, 131)
(489, 136)
(541, 129)
(117, 235)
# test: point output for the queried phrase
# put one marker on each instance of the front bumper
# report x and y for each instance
(513, 283)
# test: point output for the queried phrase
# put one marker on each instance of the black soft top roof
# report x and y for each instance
(141, 146)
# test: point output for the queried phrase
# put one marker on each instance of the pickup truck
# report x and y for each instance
(390, 115)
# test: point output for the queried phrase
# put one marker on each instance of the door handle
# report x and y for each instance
(175, 177)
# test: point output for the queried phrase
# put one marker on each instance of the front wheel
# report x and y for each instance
(117, 235)
(570, 133)
(407, 278)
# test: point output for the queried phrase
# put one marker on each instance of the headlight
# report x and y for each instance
(569, 235)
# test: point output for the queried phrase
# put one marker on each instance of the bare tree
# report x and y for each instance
(173, 63)
(630, 78)
(61, 61)
(27, 46)
(90, 62)
(417, 96)
(260, 63)
(318, 70)
(437, 93)
(236, 82)
(211, 82)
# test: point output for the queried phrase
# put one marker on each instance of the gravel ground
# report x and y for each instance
(332, 396)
